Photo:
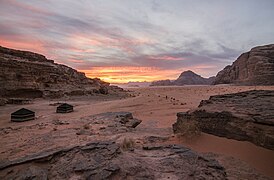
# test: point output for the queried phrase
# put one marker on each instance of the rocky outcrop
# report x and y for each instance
(94, 147)
(186, 78)
(30, 75)
(255, 67)
(245, 116)
(104, 160)
(98, 154)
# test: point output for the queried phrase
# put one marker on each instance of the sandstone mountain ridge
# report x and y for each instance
(31, 75)
(185, 78)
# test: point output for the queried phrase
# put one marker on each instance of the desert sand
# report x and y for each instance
(155, 106)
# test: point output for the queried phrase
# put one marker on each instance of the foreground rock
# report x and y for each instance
(104, 160)
(97, 153)
(25, 74)
(94, 147)
(255, 67)
(245, 116)
(186, 78)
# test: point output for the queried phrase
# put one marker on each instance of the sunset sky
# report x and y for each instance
(138, 40)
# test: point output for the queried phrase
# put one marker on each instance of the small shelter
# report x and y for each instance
(64, 108)
(22, 115)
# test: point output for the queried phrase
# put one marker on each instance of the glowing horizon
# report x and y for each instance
(129, 74)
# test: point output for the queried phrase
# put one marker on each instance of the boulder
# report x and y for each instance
(3, 101)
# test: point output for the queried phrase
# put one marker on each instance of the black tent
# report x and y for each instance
(64, 108)
(22, 115)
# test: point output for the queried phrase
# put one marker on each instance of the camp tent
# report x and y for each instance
(64, 108)
(22, 115)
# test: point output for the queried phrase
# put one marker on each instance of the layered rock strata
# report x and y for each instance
(30, 75)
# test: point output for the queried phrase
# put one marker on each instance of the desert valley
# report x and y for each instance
(132, 133)
(141, 90)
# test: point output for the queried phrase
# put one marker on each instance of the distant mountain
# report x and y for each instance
(191, 78)
(255, 67)
(166, 82)
(132, 84)
(186, 78)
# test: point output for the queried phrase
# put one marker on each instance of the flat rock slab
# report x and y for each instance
(246, 116)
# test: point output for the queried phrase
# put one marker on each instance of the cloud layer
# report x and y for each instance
(140, 40)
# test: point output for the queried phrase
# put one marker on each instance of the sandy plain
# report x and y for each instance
(153, 105)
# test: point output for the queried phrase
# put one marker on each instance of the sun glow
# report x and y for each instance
(126, 74)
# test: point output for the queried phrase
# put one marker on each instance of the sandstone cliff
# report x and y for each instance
(255, 67)
(31, 75)
(186, 78)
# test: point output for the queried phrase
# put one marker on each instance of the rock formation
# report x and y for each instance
(104, 160)
(100, 156)
(94, 147)
(186, 78)
(245, 116)
(255, 67)
(31, 75)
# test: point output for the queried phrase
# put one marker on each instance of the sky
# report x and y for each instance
(138, 40)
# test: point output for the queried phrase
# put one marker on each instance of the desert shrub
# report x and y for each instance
(188, 129)
(127, 144)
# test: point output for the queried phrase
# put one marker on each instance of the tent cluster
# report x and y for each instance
(27, 115)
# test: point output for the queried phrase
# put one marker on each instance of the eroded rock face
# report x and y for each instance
(31, 75)
(255, 67)
(246, 116)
